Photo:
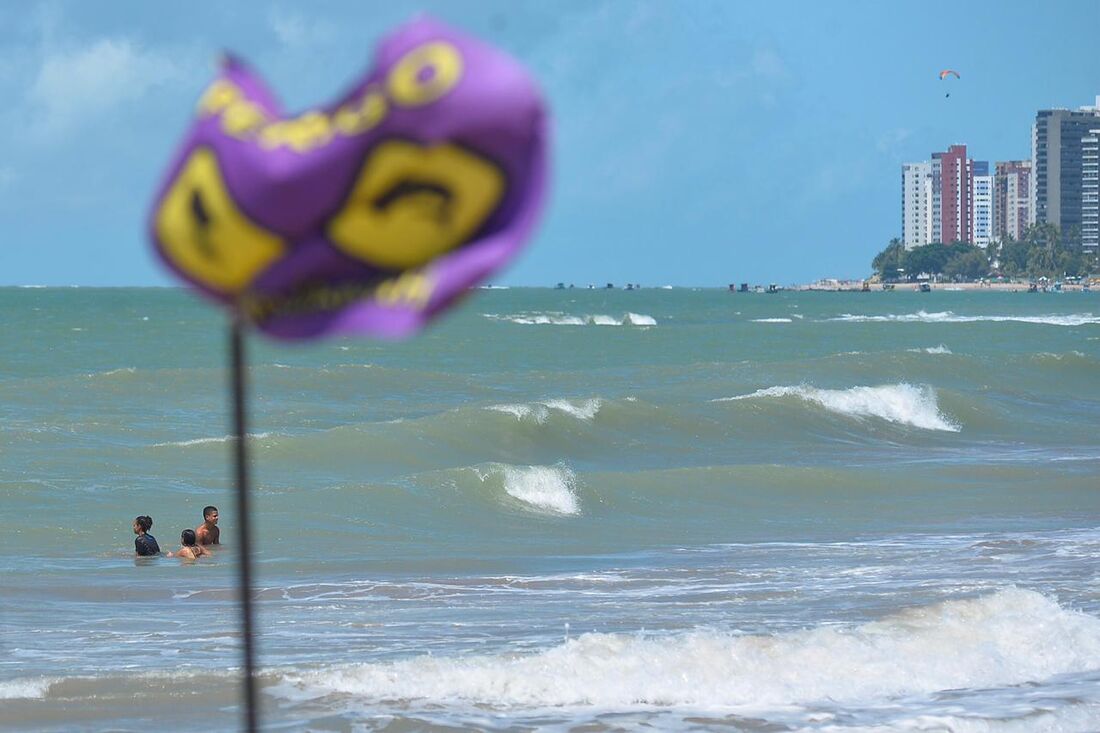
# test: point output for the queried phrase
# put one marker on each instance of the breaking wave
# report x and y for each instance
(203, 441)
(544, 488)
(1076, 319)
(540, 411)
(904, 404)
(1011, 637)
(562, 319)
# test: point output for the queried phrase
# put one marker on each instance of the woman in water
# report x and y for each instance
(145, 543)
(189, 550)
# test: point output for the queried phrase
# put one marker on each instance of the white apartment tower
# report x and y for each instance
(1013, 192)
(1090, 189)
(981, 220)
(916, 204)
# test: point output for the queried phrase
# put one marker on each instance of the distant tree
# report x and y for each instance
(970, 265)
(887, 262)
(1013, 256)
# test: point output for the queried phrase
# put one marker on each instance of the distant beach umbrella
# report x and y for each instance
(370, 215)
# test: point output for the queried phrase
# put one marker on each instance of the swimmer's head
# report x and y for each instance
(187, 537)
(210, 514)
(143, 523)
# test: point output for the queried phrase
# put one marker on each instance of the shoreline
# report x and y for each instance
(1010, 287)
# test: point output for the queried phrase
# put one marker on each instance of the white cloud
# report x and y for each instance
(82, 83)
(296, 31)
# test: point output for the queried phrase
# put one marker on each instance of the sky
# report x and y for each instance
(695, 143)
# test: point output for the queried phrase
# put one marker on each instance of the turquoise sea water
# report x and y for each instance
(563, 510)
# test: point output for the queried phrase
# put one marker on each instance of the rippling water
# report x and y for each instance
(564, 510)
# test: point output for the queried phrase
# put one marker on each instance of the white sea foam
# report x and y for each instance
(1076, 319)
(562, 319)
(23, 689)
(544, 488)
(540, 411)
(113, 372)
(772, 320)
(201, 441)
(941, 349)
(904, 404)
(1010, 637)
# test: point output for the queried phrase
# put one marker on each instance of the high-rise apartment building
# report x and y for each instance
(1012, 211)
(1058, 141)
(981, 209)
(1090, 189)
(952, 195)
(916, 204)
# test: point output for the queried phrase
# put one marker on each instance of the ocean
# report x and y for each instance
(562, 510)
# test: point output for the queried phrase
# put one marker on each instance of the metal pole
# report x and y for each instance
(244, 543)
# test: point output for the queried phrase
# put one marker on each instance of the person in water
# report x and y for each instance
(208, 532)
(145, 544)
(189, 549)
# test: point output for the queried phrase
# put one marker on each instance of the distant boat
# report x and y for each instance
(925, 288)
(559, 286)
(888, 286)
(773, 288)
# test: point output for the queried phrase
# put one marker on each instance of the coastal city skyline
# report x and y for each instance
(694, 144)
(954, 198)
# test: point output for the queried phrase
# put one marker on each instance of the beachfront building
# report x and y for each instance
(1012, 212)
(952, 195)
(1090, 189)
(916, 204)
(981, 215)
(1058, 141)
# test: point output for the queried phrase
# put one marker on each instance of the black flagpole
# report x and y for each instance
(244, 543)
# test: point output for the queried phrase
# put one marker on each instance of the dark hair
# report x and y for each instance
(144, 522)
(208, 510)
(187, 537)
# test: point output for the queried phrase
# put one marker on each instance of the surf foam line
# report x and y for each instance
(903, 404)
(540, 411)
(203, 441)
(561, 319)
(1010, 637)
(550, 489)
(1076, 319)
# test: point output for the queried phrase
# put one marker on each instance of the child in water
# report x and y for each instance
(189, 549)
(145, 544)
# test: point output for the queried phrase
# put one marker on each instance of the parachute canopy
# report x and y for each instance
(949, 72)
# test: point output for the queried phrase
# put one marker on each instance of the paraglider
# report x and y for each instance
(947, 73)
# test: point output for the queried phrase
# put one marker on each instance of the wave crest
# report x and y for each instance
(543, 488)
(903, 404)
(540, 411)
(1010, 637)
(562, 319)
(1075, 319)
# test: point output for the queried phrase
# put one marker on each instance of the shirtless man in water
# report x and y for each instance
(208, 533)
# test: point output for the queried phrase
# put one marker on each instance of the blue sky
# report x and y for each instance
(696, 142)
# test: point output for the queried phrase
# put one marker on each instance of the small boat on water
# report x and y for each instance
(925, 288)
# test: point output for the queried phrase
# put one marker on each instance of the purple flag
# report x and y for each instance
(369, 215)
